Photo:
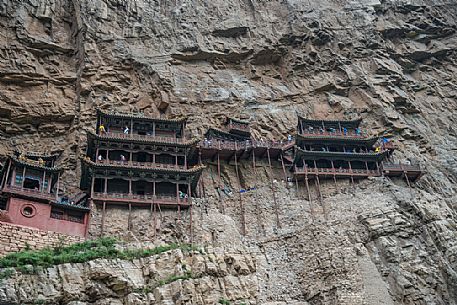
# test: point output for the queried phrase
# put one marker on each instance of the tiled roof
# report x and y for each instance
(141, 139)
(139, 116)
(155, 169)
(34, 164)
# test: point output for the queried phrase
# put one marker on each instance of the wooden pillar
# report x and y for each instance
(278, 224)
(107, 155)
(42, 181)
(130, 186)
(131, 127)
(153, 159)
(153, 129)
(105, 190)
(350, 171)
(176, 159)
(131, 157)
(178, 200)
(334, 175)
(92, 183)
(189, 198)
(96, 154)
(366, 166)
(58, 184)
(103, 218)
(13, 177)
(339, 126)
(380, 172)
(219, 170)
(284, 169)
(129, 220)
(301, 126)
(296, 184)
(317, 182)
(23, 177)
(185, 158)
(5, 179)
(243, 217)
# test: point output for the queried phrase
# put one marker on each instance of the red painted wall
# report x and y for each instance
(41, 218)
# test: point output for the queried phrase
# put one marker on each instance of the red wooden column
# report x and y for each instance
(5, 180)
(42, 181)
(58, 184)
(13, 177)
(178, 200)
(23, 177)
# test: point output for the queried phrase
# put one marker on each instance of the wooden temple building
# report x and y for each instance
(133, 160)
(32, 195)
(340, 149)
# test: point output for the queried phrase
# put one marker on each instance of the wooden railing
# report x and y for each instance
(336, 171)
(401, 167)
(147, 198)
(130, 136)
(141, 164)
(29, 192)
(242, 145)
(238, 126)
(336, 133)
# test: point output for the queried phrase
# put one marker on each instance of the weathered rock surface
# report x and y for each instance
(393, 63)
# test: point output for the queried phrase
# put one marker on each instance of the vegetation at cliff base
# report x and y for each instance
(79, 253)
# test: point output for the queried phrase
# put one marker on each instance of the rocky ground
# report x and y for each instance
(393, 63)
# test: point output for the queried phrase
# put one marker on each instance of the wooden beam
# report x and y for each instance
(278, 224)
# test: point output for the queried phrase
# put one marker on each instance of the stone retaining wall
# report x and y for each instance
(14, 238)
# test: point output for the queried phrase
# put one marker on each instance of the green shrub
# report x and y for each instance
(224, 302)
(27, 261)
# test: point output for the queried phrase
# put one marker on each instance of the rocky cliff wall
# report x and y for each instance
(393, 63)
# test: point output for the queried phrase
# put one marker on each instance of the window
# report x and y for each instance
(28, 210)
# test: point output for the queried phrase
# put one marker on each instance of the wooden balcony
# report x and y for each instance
(129, 136)
(237, 127)
(334, 172)
(29, 193)
(337, 133)
(412, 171)
(140, 200)
(149, 165)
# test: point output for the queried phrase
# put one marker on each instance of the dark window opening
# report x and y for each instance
(31, 184)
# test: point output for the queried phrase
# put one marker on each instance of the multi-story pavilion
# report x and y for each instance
(135, 160)
(332, 149)
(31, 185)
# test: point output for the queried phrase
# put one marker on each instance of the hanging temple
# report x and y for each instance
(152, 163)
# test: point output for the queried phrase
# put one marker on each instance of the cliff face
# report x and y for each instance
(393, 63)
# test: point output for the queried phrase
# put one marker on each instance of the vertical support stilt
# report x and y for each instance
(407, 179)
(155, 219)
(334, 176)
(243, 219)
(256, 187)
(129, 220)
(189, 191)
(350, 171)
(284, 169)
(296, 186)
(278, 224)
(103, 218)
(219, 182)
(309, 198)
(178, 201)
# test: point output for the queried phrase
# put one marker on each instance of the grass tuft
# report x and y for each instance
(30, 261)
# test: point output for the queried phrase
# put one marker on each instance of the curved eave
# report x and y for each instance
(337, 139)
(36, 166)
(137, 117)
(354, 123)
(193, 170)
(236, 121)
(315, 155)
(93, 136)
(45, 157)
